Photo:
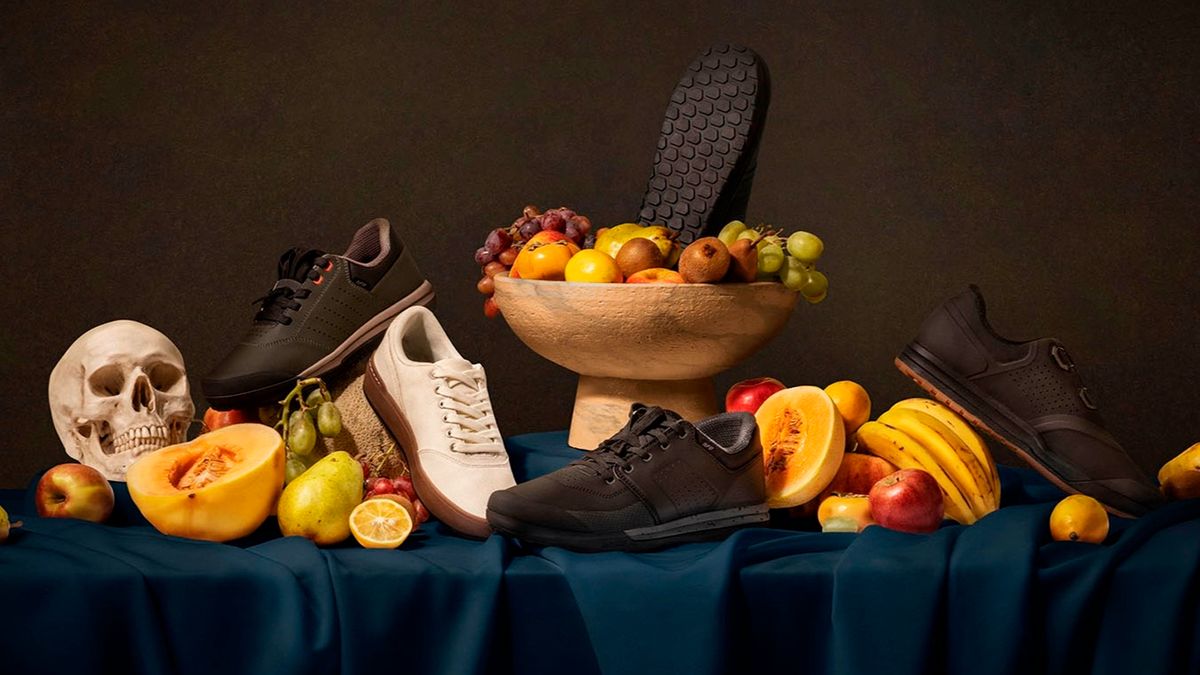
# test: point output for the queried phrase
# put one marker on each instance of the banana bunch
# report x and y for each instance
(919, 433)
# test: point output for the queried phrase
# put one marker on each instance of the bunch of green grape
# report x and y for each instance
(792, 261)
(306, 411)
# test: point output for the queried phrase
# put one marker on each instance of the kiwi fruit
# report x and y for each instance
(704, 261)
(638, 254)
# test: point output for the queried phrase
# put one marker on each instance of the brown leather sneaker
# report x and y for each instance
(1029, 396)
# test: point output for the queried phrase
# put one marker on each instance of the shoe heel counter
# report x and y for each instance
(403, 275)
(750, 484)
(944, 335)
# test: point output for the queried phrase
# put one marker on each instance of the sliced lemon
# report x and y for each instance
(380, 523)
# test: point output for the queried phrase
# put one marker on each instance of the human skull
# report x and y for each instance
(119, 392)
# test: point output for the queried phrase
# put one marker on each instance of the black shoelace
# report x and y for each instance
(646, 427)
(296, 266)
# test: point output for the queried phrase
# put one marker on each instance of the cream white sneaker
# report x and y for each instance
(436, 405)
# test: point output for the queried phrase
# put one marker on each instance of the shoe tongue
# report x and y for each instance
(295, 263)
(643, 417)
(456, 365)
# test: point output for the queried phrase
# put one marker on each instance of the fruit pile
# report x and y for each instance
(918, 462)
(503, 244)
(558, 245)
(792, 260)
(922, 434)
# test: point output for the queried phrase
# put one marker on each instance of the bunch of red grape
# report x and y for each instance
(504, 243)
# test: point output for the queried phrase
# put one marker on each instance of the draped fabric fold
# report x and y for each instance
(996, 597)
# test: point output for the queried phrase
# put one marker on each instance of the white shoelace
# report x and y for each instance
(468, 410)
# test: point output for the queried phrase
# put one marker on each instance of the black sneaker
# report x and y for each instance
(704, 166)
(659, 481)
(322, 309)
(1030, 397)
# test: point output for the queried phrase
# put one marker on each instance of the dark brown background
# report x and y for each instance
(154, 163)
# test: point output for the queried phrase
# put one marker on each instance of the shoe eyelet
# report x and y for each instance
(663, 446)
(609, 481)
(446, 418)
(448, 434)
(649, 456)
(328, 266)
(627, 469)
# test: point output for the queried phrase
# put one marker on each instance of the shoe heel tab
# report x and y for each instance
(730, 432)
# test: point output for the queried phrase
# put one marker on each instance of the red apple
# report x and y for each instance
(748, 395)
(858, 473)
(74, 491)
(215, 419)
(909, 500)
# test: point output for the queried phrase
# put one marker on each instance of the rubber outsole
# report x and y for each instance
(694, 528)
(707, 154)
(984, 416)
(364, 336)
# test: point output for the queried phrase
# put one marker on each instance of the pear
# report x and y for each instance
(611, 239)
(318, 503)
(743, 261)
(662, 237)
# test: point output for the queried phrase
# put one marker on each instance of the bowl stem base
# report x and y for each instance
(602, 404)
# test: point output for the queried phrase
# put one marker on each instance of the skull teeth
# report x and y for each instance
(140, 439)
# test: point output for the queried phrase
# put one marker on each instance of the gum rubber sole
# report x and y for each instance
(695, 528)
(706, 157)
(440, 506)
(926, 377)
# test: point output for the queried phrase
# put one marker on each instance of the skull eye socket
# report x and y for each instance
(107, 381)
(164, 376)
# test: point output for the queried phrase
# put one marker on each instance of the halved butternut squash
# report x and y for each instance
(803, 440)
(218, 487)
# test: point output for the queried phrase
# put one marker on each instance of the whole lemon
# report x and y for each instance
(592, 266)
(1079, 518)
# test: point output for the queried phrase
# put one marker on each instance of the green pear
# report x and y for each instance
(318, 503)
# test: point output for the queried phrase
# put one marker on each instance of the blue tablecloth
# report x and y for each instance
(996, 597)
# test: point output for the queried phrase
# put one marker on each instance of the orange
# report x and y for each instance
(592, 266)
(1079, 518)
(380, 523)
(852, 402)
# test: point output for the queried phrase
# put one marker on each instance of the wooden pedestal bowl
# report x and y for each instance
(659, 344)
